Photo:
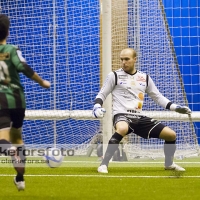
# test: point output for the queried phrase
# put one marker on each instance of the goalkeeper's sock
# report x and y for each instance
(112, 147)
(169, 150)
(19, 165)
(4, 146)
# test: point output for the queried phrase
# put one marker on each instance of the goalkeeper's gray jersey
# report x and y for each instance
(128, 91)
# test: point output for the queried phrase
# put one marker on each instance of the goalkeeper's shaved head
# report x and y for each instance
(4, 26)
(132, 51)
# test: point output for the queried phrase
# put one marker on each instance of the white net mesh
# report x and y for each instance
(61, 41)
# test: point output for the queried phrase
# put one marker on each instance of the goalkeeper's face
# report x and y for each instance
(128, 60)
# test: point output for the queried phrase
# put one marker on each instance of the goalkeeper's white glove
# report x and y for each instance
(180, 109)
(98, 111)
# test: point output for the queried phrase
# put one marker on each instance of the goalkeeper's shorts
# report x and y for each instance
(143, 126)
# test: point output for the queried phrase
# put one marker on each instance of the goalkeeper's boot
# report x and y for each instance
(20, 185)
(175, 167)
(103, 169)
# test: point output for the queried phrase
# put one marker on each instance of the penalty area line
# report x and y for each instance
(97, 176)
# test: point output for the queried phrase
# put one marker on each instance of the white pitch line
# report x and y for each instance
(100, 176)
(127, 162)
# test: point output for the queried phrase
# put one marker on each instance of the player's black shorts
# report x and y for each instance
(12, 118)
(143, 126)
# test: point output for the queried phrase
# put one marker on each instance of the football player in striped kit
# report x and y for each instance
(128, 87)
(12, 101)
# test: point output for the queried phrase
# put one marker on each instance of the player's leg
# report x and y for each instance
(170, 144)
(4, 140)
(121, 131)
(121, 128)
(4, 131)
(16, 140)
(19, 158)
(150, 128)
(169, 148)
(5, 145)
(17, 117)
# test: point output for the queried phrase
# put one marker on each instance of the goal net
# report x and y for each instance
(61, 40)
(143, 25)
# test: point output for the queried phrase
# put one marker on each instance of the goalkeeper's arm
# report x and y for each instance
(106, 89)
(154, 93)
(178, 108)
(98, 111)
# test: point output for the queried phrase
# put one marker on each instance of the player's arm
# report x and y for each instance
(22, 66)
(158, 98)
(106, 89)
(38, 79)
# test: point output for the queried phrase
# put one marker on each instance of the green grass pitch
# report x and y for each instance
(77, 179)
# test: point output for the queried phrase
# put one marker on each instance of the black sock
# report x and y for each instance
(169, 150)
(19, 177)
(4, 145)
(112, 147)
(20, 167)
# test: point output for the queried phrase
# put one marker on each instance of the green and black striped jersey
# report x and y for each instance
(11, 64)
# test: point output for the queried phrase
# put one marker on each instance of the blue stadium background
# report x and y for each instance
(184, 23)
(32, 30)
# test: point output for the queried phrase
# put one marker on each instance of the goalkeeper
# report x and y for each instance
(12, 101)
(128, 87)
